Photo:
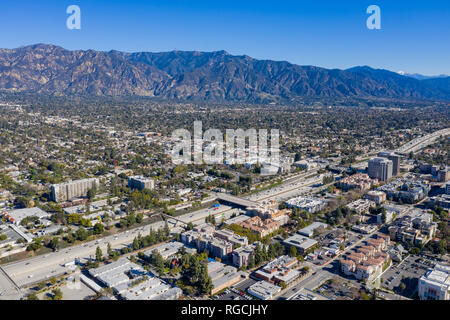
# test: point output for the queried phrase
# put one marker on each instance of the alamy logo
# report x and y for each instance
(241, 146)
(74, 20)
(374, 20)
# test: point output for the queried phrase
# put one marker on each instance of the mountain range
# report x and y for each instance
(419, 76)
(193, 75)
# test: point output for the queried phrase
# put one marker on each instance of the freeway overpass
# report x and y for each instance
(236, 200)
(23, 273)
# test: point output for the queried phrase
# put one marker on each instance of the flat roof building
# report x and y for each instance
(279, 270)
(308, 231)
(166, 250)
(380, 168)
(141, 183)
(263, 290)
(302, 243)
(224, 276)
(16, 216)
(376, 196)
(132, 282)
(310, 205)
(73, 189)
(435, 284)
(361, 206)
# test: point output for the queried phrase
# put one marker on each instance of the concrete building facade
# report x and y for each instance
(73, 189)
(380, 168)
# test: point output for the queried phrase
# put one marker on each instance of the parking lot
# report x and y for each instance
(329, 239)
(237, 292)
(339, 289)
(407, 272)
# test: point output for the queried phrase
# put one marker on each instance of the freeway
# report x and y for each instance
(411, 146)
(29, 271)
(422, 142)
(26, 272)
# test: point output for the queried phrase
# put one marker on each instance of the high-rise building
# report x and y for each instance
(443, 175)
(140, 183)
(72, 189)
(395, 158)
(380, 168)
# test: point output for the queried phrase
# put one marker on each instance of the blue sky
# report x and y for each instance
(415, 34)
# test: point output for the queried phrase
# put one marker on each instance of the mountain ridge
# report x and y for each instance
(189, 75)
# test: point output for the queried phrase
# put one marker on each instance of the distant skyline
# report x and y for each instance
(414, 35)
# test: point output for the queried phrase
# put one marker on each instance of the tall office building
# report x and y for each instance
(443, 175)
(73, 189)
(395, 158)
(140, 183)
(380, 168)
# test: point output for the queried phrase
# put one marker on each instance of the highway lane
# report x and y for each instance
(422, 142)
(32, 270)
(35, 269)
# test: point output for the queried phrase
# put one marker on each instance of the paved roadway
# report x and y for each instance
(422, 142)
(325, 272)
(320, 273)
(26, 272)
(29, 271)
(413, 145)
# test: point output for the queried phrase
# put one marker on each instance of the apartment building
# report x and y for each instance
(73, 189)
(416, 227)
(140, 183)
(358, 181)
(259, 226)
(219, 243)
(361, 206)
(310, 205)
(395, 158)
(376, 196)
(366, 262)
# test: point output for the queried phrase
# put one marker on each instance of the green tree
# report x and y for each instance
(157, 261)
(54, 243)
(109, 250)
(99, 228)
(81, 234)
(98, 254)
(293, 251)
(57, 294)
(136, 244)
(139, 217)
(35, 245)
(91, 193)
(205, 281)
